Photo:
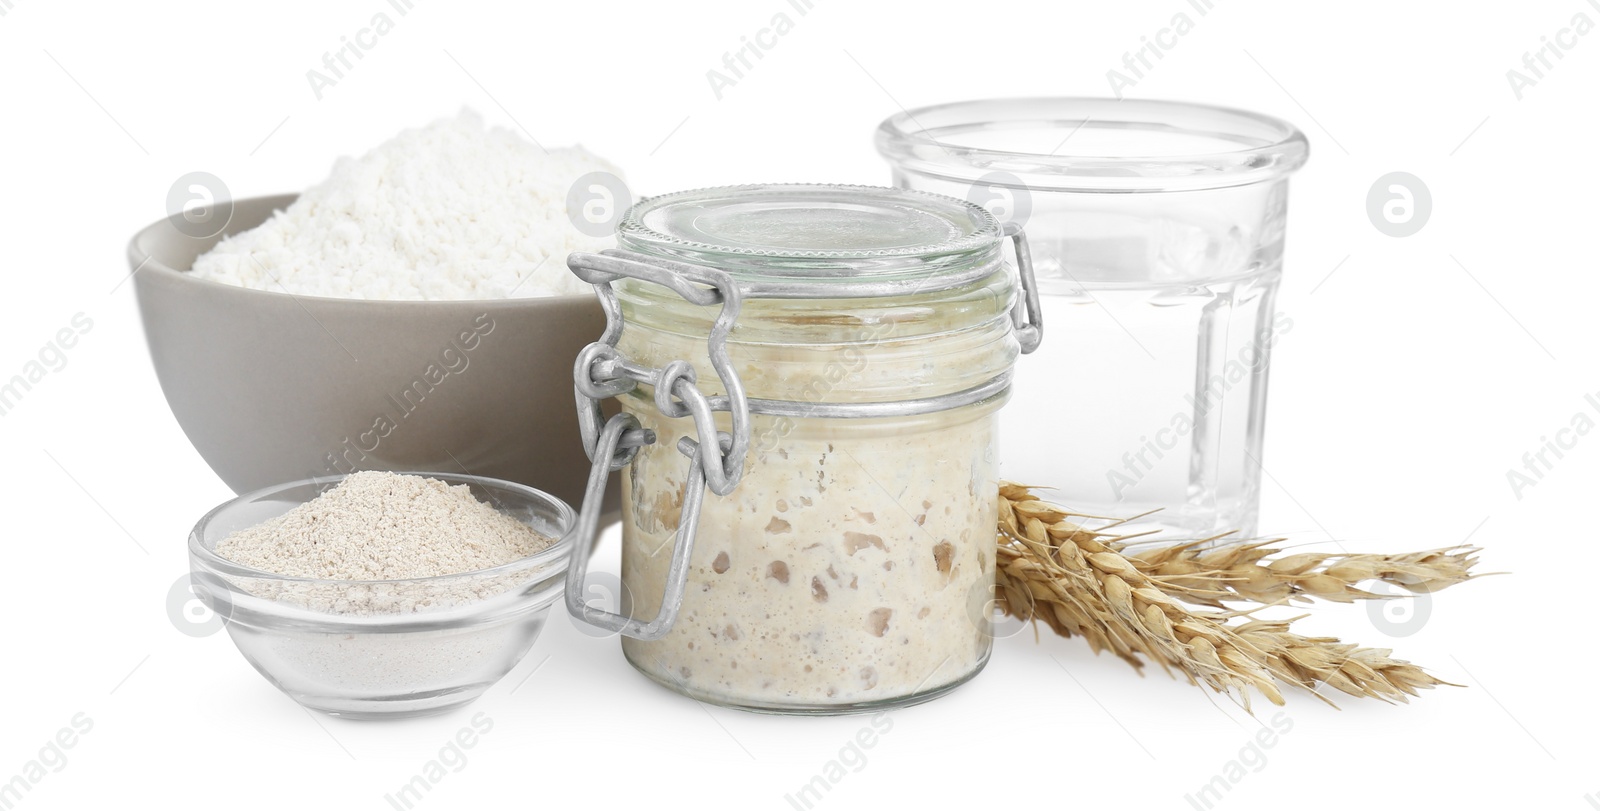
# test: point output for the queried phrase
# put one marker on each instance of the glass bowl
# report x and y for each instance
(383, 648)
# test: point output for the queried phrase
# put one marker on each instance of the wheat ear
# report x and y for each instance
(1209, 572)
(1076, 581)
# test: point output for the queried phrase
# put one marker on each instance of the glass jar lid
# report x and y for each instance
(818, 240)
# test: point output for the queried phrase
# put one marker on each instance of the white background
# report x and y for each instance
(1417, 374)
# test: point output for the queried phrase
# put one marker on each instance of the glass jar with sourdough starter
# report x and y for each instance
(829, 362)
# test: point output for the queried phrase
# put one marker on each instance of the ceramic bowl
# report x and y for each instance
(272, 387)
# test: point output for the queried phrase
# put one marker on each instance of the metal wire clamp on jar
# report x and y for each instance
(846, 563)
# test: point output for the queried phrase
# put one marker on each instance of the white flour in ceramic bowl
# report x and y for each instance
(450, 211)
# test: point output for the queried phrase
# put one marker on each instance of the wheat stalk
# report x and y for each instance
(1077, 581)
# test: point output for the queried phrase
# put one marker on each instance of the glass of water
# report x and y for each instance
(1157, 231)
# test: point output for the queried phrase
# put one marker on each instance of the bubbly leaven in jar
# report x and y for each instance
(854, 561)
(851, 565)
